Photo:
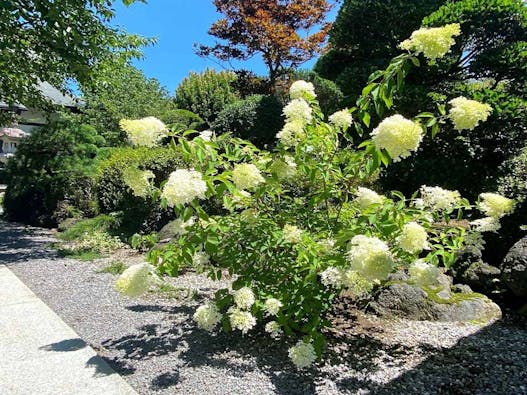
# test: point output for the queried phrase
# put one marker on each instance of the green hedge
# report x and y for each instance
(257, 118)
(114, 196)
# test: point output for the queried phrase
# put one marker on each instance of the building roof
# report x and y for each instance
(50, 93)
(12, 132)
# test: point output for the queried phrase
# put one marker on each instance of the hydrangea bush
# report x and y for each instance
(301, 223)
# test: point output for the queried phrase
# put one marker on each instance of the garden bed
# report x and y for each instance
(154, 344)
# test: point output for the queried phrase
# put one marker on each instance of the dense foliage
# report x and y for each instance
(364, 37)
(207, 93)
(122, 91)
(256, 118)
(44, 40)
(50, 173)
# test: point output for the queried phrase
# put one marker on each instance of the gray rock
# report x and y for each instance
(461, 289)
(482, 277)
(514, 268)
(412, 302)
(169, 231)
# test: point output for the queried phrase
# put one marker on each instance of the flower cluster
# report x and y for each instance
(302, 354)
(495, 205)
(397, 135)
(433, 42)
(292, 234)
(292, 133)
(423, 273)
(143, 132)
(200, 259)
(207, 317)
(413, 238)
(272, 306)
(302, 90)
(284, 168)
(138, 180)
(331, 277)
(136, 280)
(370, 257)
(183, 186)
(274, 329)
(356, 283)
(467, 114)
(487, 224)
(341, 119)
(298, 110)
(242, 320)
(244, 298)
(366, 197)
(246, 176)
(437, 198)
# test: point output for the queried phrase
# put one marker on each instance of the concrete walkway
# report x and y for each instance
(40, 354)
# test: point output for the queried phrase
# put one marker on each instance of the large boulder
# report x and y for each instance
(424, 304)
(514, 268)
(482, 277)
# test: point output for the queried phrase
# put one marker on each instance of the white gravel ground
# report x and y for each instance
(153, 343)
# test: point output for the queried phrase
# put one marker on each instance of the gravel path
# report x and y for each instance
(154, 345)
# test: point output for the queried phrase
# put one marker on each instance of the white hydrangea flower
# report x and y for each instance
(495, 205)
(438, 199)
(366, 197)
(292, 234)
(136, 280)
(487, 224)
(433, 42)
(327, 244)
(241, 320)
(246, 176)
(144, 132)
(183, 186)
(302, 354)
(179, 226)
(397, 135)
(207, 317)
(331, 277)
(302, 90)
(423, 273)
(292, 133)
(356, 283)
(273, 306)
(298, 110)
(284, 168)
(274, 329)
(341, 119)
(206, 135)
(200, 259)
(413, 238)
(244, 298)
(138, 181)
(467, 114)
(370, 257)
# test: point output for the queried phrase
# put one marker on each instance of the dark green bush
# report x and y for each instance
(51, 170)
(206, 94)
(183, 120)
(329, 95)
(257, 118)
(136, 214)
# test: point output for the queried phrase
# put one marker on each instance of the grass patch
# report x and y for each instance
(80, 255)
(101, 223)
(171, 292)
(114, 268)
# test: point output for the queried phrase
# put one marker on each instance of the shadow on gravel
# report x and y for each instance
(491, 361)
(19, 243)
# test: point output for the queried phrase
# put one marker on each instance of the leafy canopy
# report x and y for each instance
(54, 41)
(275, 29)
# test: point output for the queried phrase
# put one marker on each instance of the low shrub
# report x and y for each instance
(101, 223)
(257, 118)
(53, 168)
(137, 214)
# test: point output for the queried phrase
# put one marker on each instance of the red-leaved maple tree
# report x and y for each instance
(279, 30)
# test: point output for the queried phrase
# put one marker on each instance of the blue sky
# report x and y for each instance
(177, 24)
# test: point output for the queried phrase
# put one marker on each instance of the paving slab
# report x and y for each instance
(40, 354)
